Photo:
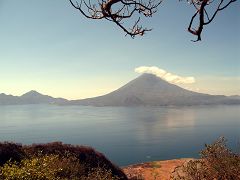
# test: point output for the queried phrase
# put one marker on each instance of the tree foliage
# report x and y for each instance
(52, 167)
(55, 160)
(119, 11)
(217, 162)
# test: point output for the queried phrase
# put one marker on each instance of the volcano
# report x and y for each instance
(150, 90)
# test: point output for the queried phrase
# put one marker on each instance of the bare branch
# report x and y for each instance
(119, 11)
(126, 9)
(201, 5)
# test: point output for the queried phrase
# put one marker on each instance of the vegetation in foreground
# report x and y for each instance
(57, 161)
(217, 163)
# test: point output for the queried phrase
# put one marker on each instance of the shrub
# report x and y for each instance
(100, 174)
(66, 154)
(52, 167)
(87, 155)
(217, 162)
(38, 168)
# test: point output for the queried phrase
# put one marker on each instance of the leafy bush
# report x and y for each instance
(36, 168)
(100, 174)
(217, 163)
(87, 155)
(52, 167)
(75, 161)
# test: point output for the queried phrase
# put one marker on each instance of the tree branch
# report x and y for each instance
(201, 5)
(119, 11)
(127, 9)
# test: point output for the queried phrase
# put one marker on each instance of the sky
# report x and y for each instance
(50, 47)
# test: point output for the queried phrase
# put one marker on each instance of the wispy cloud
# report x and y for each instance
(167, 76)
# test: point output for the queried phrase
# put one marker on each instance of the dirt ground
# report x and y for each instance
(156, 170)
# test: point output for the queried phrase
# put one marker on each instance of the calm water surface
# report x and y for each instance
(125, 135)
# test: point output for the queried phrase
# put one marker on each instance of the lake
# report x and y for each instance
(126, 135)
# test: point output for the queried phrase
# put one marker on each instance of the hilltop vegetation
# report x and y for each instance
(55, 161)
(217, 162)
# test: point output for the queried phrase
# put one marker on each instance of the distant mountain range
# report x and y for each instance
(146, 90)
(32, 97)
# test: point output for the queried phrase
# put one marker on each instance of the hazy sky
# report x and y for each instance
(49, 47)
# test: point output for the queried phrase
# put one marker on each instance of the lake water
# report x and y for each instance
(126, 135)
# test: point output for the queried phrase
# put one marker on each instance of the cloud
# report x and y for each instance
(167, 76)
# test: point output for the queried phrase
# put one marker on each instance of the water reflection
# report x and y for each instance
(125, 135)
(177, 118)
(153, 123)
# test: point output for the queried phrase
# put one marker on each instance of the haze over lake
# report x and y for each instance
(126, 135)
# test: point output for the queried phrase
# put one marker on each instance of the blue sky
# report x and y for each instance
(49, 47)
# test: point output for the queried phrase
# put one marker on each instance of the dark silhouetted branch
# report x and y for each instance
(119, 11)
(200, 6)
